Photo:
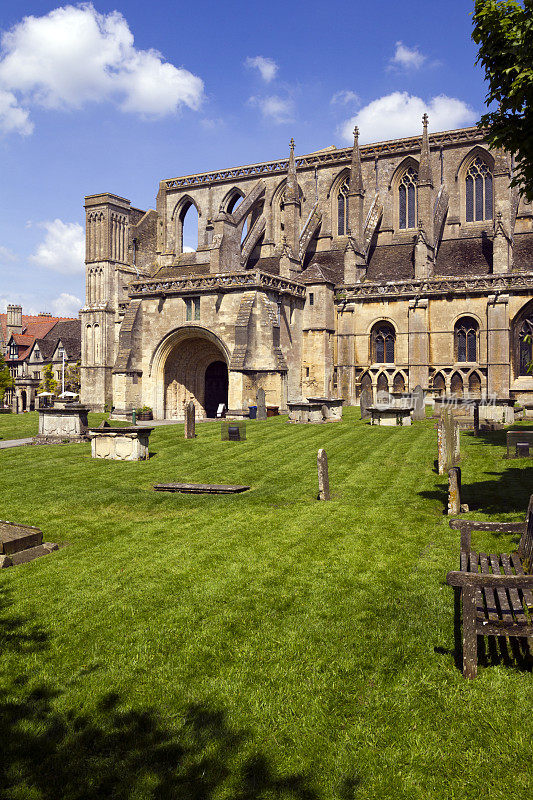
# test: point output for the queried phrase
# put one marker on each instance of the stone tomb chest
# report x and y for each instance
(120, 444)
(63, 422)
(390, 415)
(316, 409)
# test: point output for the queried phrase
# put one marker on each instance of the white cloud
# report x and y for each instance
(407, 57)
(344, 98)
(75, 55)
(66, 305)
(63, 247)
(7, 255)
(274, 108)
(400, 114)
(266, 66)
(13, 118)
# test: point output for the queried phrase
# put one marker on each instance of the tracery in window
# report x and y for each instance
(478, 191)
(342, 209)
(407, 198)
(383, 338)
(525, 346)
(466, 332)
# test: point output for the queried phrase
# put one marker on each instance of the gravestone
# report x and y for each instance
(233, 431)
(419, 411)
(383, 398)
(261, 405)
(190, 416)
(365, 401)
(454, 490)
(476, 419)
(323, 475)
(448, 442)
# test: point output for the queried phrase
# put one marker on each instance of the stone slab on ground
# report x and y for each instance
(25, 556)
(14, 538)
(4, 444)
(199, 488)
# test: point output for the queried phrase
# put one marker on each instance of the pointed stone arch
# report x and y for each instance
(178, 218)
(230, 200)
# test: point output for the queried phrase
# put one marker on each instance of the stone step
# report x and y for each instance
(14, 538)
(24, 556)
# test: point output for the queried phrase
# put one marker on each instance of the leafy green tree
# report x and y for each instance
(48, 383)
(6, 381)
(72, 378)
(504, 33)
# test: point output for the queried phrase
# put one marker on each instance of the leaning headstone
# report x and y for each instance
(419, 411)
(365, 401)
(448, 442)
(261, 405)
(454, 490)
(190, 415)
(323, 475)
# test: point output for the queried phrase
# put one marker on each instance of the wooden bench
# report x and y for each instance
(497, 590)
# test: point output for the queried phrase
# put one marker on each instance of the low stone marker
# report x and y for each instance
(261, 405)
(454, 490)
(199, 488)
(476, 419)
(120, 444)
(365, 401)
(190, 421)
(20, 544)
(419, 410)
(323, 475)
(233, 431)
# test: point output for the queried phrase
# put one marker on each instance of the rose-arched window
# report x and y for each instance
(407, 198)
(342, 209)
(466, 333)
(478, 191)
(383, 338)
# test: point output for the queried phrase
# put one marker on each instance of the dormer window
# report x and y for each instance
(13, 350)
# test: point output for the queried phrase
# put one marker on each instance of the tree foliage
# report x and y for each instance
(6, 381)
(48, 383)
(72, 378)
(504, 33)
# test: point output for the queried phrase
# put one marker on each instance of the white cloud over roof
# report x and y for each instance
(62, 249)
(400, 114)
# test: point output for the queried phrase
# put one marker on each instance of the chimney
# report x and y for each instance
(13, 320)
(45, 314)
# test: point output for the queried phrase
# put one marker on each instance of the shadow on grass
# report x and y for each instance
(120, 753)
(508, 492)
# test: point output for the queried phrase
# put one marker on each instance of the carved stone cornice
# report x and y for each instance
(328, 157)
(221, 282)
(474, 285)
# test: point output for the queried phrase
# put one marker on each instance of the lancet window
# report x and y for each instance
(407, 198)
(383, 339)
(342, 209)
(478, 191)
(525, 346)
(466, 333)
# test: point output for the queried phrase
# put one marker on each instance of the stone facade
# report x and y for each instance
(386, 266)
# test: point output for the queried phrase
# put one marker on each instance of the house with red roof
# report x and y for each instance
(30, 343)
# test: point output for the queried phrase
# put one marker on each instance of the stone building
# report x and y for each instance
(30, 343)
(387, 265)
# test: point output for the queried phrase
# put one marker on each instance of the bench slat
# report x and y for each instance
(514, 597)
(492, 610)
(501, 594)
(478, 593)
(526, 593)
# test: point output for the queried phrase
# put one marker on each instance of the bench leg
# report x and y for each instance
(469, 633)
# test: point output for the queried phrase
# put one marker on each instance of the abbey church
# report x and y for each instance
(384, 266)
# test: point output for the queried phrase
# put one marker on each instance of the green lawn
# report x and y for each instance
(261, 645)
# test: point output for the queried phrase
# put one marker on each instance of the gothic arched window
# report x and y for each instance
(383, 338)
(342, 209)
(478, 191)
(407, 198)
(466, 330)
(525, 346)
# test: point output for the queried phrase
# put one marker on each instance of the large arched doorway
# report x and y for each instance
(216, 387)
(194, 369)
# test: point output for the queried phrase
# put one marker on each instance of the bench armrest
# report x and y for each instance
(466, 526)
(471, 579)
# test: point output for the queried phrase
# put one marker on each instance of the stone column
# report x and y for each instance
(498, 355)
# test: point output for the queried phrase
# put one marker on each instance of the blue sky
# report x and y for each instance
(114, 96)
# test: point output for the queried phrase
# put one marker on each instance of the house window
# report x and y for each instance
(407, 198)
(478, 191)
(342, 209)
(307, 372)
(466, 331)
(311, 299)
(383, 338)
(13, 351)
